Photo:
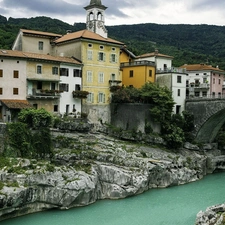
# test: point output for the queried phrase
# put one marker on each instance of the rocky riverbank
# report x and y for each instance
(88, 167)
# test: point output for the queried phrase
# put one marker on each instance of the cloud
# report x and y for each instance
(53, 7)
(121, 11)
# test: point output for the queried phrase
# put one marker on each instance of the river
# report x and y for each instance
(170, 206)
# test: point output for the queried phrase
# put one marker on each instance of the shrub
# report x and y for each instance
(35, 117)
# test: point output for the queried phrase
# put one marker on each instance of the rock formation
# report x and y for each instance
(88, 167)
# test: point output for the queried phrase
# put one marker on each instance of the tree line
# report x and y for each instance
(186, 43)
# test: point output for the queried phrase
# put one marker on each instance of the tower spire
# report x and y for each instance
(96, 17)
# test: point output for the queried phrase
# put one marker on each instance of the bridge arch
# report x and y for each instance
(209, 117)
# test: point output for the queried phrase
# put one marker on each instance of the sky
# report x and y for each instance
(121, 11)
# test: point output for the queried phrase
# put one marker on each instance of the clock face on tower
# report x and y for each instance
(100, 24)
(90, 24)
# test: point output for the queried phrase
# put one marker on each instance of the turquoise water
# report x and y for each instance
(170, 206)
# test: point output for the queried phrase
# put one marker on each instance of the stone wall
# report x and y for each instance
(209, 116)
(132, 116)
(97, 113)
(2, 132)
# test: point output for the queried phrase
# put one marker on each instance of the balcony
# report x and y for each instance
(114, 82)
(138, 63)
(43, 94)
(80, 94)
(171, 70)
(198, 85)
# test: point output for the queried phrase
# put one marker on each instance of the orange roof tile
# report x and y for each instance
(86, 34)
(29, 55)
(16, 104)
(152, 54)
(201, 66)
(35, 32)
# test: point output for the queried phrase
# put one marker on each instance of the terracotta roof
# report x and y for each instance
(12, 53)
(16, 104)
(152, 54)
(86, 34)
(199, 67)
(35, 32)
(29, 55)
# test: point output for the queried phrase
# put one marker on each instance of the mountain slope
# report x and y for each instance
(186, 43)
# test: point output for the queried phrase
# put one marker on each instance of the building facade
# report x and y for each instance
(204, 81)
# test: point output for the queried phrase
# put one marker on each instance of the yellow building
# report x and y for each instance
(136, 73)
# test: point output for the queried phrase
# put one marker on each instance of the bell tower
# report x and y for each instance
(96, 18)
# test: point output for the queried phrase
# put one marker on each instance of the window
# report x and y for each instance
(101, 56)
(53, 86)
(77, 87)
(131, 73)
(213, 80)
(204, 93)
(178, 107)
(89, 54)
(113, 58)
(101, 77)
(197, 74)
(205, 74)
(101, 47)
(165, 67)
(35, 106)
(205, 80)
(150, 73)
(39, 85)
(55, 108)
(113, 49)
(55, 70)
(178, 79)
(64, 87)
(40, 45)
(18, 61)
(64, 72)
(90, 45)
(178, 92)
(101, 97)
(219, 81)
(113, 76)
(15, 74)
(39, 69)
(89, 76)
(1, 73)
(197, 94)
(90, 98)
(15, 91)
(77, 73)
(1, 91)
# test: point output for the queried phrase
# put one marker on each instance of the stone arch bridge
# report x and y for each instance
(209, 116)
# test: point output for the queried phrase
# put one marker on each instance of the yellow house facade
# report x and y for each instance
(136, 73)
(101, 67)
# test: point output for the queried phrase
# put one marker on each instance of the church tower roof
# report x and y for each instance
(95, 3)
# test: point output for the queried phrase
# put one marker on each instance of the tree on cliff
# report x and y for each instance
(30, 137)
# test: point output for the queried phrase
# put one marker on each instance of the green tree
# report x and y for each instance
(35, 117)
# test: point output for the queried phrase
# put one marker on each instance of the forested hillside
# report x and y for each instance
(186, 43)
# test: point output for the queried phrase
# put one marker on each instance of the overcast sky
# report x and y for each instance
(121, 11)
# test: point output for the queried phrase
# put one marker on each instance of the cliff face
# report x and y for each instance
(88, 167)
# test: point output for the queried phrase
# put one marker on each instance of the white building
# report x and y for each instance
(70, 80)
(162, 62)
